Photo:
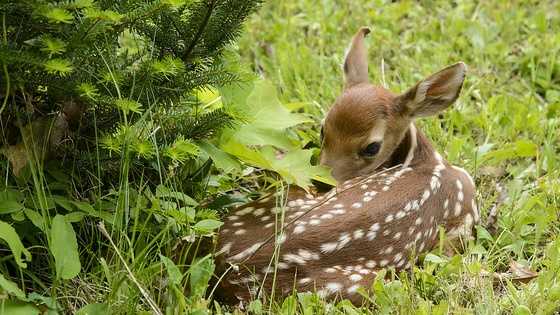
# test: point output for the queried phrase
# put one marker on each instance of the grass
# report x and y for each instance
(505, 129)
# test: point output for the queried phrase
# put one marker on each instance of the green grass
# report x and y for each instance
(505, 128)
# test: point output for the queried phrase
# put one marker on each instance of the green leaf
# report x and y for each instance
(207, 225)
(222, 160)
(94, 309)
(295, 167)
(168, 67)
(289, 306)
(9, 206)
(434, 259)
(88, 90)
(255, 307)
(64, 248)
(266, 118)
(74, 217)
(36, 218)
(128, 105)
(164, 192)
(61, 67)
(80, 4)
(9, 235)
(10, 201)
(175, 275)
(521, 148)
(11, 288)
(181, 150)
(200, 272)
(58, 15)
(18, 308)
(63, 202)
(53, 46)
(89, 209)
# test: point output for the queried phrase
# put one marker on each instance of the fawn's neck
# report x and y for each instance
(413, 148)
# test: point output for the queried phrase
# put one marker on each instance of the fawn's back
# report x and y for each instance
(394, 192)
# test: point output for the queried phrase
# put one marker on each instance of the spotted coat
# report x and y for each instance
(337, 242)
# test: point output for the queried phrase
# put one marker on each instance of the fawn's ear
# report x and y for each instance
(433, 94)
(355, 63)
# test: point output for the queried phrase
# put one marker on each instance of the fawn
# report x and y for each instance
(394, 191)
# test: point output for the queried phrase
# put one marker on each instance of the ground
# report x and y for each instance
(504, 129)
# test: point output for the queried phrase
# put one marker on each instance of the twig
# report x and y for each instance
(200, 30)
(492, 220)
(153, 304)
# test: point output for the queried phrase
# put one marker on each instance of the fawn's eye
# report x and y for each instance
(371, 149)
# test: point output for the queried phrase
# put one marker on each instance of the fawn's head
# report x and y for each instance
(367, 123)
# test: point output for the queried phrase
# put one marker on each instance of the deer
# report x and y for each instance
(394, 193)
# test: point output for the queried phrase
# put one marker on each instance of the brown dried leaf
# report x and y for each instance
(17, 156)
(492, 171)
(521, 273)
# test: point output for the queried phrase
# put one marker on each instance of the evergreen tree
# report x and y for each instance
(121, 73)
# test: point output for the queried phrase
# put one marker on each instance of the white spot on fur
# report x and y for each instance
(328, 247)
(352, 289)
(357, 205)
(304, 280)
(389, 218)
(400, 215)
(458, 209)
(418, 221)
(293, 258)
(314, 222)
(244, 211)
(371, 235)
(334, 286)
(233, 217)
(326, 216)
(283, 265)
(397, 235)
(247, 252)
(371, 264)
(338, 211)
(358, 234)
(355, 277)
(240, 232)
(225, 249)
(299, 229)
(259, 212)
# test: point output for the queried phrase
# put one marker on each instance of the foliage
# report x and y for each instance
(125, 146)
(504, 129)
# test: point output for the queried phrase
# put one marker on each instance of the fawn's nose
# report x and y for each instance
(339, 168)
